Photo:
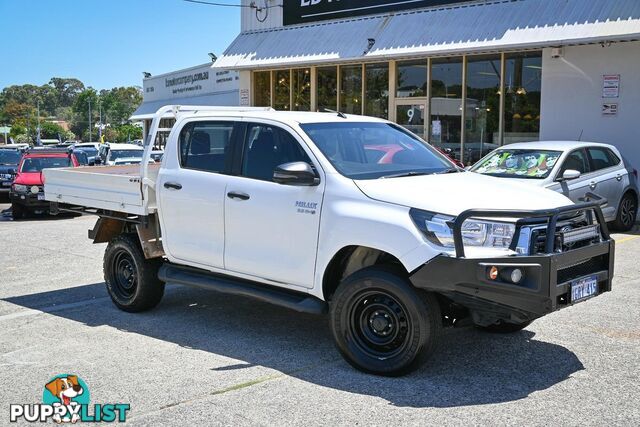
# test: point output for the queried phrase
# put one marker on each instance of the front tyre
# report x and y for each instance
(381, 324)
(18, 211)
(131, 279)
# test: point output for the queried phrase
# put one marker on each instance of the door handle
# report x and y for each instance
(619, 177)
(173, 186)
(593, 185)
(238, 196)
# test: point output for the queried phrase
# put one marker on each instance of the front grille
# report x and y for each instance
(584, 268)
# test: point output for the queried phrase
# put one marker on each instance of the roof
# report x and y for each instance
(554, 145)
(116, 146)
(300, 117)
(472, 27)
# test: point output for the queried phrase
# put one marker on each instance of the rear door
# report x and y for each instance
(272, 229)
(191, 187)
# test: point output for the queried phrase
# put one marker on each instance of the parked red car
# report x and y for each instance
(27, 190)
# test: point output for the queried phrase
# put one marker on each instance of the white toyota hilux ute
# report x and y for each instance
(327, 212)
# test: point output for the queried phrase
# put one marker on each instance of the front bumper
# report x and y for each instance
(5, 186)
(546, 283)
(29, 200)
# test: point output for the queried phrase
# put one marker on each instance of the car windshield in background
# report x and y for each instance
(126, 154)
(375, 150)
(91, 152)
(9, 157)
(36, 164)
(532, 164)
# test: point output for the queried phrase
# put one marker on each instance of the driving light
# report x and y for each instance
(19, 188)
(493, 273)
(516, 275)
(35, 189)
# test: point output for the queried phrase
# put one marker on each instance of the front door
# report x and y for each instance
(192, 194)
(271, 230)
(578, 188)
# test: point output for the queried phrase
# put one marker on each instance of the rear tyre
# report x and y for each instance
(132, 281)
(18, 212)
(505, 327)
(381, 324)
(627, 211)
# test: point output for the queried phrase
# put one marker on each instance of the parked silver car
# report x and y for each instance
(573, 169)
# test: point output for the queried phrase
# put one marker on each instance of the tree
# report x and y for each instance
(119, 103)
(50, 130)
(67, 90)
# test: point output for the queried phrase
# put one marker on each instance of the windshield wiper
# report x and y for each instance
(403, 174)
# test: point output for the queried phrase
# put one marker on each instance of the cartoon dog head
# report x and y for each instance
(65, 388)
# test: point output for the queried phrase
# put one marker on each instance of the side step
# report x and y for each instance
(179, 275)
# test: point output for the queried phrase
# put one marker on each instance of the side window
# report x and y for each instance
(577, 160)
(205, 146)
(600, 158)
(267, 147)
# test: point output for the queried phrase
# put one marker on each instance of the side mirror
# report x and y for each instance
(296, 173)
(570, 174)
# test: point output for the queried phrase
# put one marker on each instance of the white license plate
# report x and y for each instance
(40, 196)
(6, 184)
(584, 288)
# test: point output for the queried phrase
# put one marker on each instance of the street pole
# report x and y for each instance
(100, 128)
(89, 99)
(38, 138)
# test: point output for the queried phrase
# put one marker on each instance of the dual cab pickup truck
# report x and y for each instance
(350, 215)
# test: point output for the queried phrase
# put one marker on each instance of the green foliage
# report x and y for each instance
(49, 130)
(68, 99)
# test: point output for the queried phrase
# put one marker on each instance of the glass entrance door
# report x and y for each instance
(411, 115)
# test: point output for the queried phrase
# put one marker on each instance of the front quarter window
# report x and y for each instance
(372, 150)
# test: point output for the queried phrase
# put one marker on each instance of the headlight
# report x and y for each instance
(35, 189)
(19, 188)
(437, 228)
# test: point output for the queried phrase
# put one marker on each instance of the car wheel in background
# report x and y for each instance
(17, 212)
(627, 211)
(383, 325)
(131, 279)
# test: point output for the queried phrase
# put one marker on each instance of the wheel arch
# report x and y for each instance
(350, 259)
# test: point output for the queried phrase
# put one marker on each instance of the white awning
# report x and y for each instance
(147, 109)
(476, 27)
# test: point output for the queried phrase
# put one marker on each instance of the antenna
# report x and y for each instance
(580, 137)
(339, 113)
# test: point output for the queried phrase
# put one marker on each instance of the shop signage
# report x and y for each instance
(302, 11)
(611, 86)
(196, 81)
(609, 109)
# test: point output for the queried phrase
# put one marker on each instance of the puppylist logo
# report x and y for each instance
(66, 400)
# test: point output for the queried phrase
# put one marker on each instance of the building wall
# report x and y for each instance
(572, 96)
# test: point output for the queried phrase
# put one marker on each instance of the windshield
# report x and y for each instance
(89, 150)
(125, 154)
(9, 157)
(36, 164)
(531, 164)
(375, 150)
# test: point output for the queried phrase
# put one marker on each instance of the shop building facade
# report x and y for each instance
(198, 85)
(467, 76)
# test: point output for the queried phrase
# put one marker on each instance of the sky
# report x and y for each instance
(108, 43)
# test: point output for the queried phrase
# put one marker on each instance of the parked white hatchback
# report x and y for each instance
(574, 169)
